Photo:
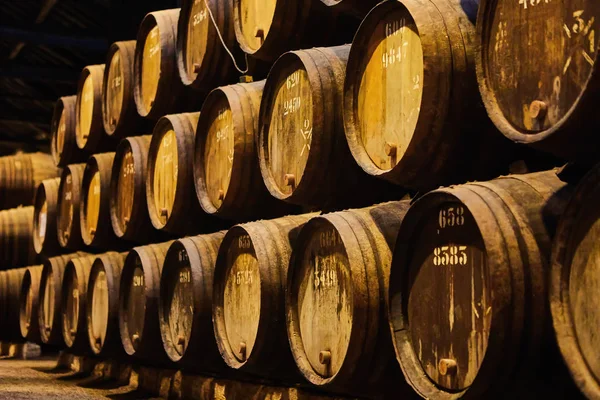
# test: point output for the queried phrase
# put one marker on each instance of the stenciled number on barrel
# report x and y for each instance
(450, 255)
(185, 277)
(393, 55)
(452, 216)
(138, 280)
(306, 133)
(532, 3)
(581, 28)
(325, 272)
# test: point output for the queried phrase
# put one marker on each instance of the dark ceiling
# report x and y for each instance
(44, 44)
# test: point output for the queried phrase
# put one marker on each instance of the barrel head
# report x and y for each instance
(66, 212)
(98, 307)
(47, 303)
(70, 306)
(91, 205)
(113, 98)
(132, 313)
(253, 20)
(26, 300)
(164, 181)
(196, 39)
(85, 109)
(122, 200)
(151, 63)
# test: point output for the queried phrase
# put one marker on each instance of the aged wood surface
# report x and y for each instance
(89, 129)
(69, 197)
(45, 239)
(548, 106)
(63, 143)
(29, 304)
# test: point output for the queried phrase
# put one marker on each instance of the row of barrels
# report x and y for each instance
(457, 283)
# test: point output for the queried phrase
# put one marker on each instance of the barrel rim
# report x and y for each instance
(486, 9)
(40, 198)
(127, 87)
(292, 320)
(219, 328)
(26, 286)
(406, 354)
(558, 291)
(442, 74)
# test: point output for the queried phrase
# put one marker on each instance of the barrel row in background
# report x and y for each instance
(347, 288)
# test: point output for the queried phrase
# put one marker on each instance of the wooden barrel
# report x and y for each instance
(11, 325)
(157, 87)
(138, 303)
(248, 296)
(412, 113)
(45, 239)
(574, 284)
(226, 172)
(69, 197)
(128, 210)
(468, 287)
(63, 144)
(119, 113)
(20, 176)
(169, 181)
(3, 300)
(267, 29)
(29, 304)
(185, 305)
(50, 298)
(202, 60)
(96, 227)
(74, 304)
(89, 130)
(16, 237)
(358, 8)
(336, 296)
(103, 304)
(551, 108)
(304, 158)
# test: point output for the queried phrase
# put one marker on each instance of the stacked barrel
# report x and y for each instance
(312, 193)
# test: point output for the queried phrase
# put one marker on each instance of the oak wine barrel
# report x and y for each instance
(304, 158)
(3, 299)
(226, 172)
(336, 296)
(551, 107)
(96, 227)
(29, 304)
(128, 210)
(138, 303)
(69, 199)
(412, 112)
(468, 306)
(575, 284)
(20, 176)
(16, 238)
(103, 304)
(11, 328)
(119, 113)
(74, 304)
(63, 144)
(185, 303)
(248, 296)
(169, 180)
(202, 60)
(157, 87)
(50, 298)
(265, 29)
(89, 129)
(45, 214)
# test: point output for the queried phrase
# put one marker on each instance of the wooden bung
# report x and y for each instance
(29, 304)
(45, 214)
(265, 29)
(63, 144)
(226, 172)
(102, 322)
(202, 60)
(468, 304)
(96, 227)
(89, 130)
(336, 296)
(169, 180)
(551, 108)
(138, 303)
(412, 112)
(574, 285)
(304, 158)
(16, 237)
(69, 197)
(73, 304)
(185, 305)
(11, 327)
(20, 176)
(128, 211)
(248, 296)
(50, 298)
(157, 87)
